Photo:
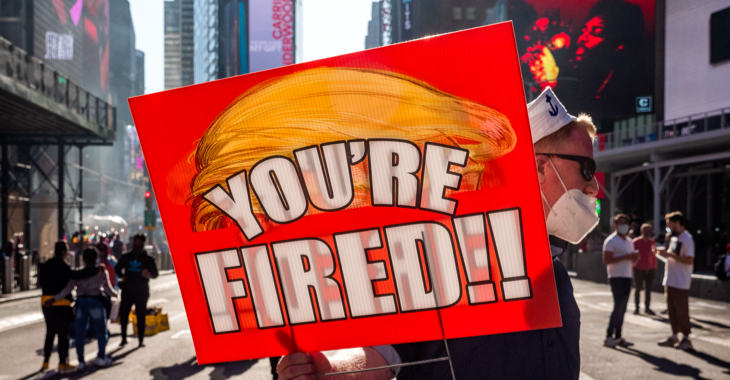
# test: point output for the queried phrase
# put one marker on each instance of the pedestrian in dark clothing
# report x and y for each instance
(90, 305)
(134, 271)
(117, 247)
(53, 277)
(273, 361)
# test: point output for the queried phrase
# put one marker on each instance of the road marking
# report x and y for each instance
(709, 318)
(20, 320)
(588, 304)
(157, 301)
(707, 305)
(715, 340)
(646, 322)
(164, 286)
(181, 334)
(578, 295)
(583, 376)
(177, 316)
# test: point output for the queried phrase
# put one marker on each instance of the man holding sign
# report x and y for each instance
(375, 199)
(564, 158)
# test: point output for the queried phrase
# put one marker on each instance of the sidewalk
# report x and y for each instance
(17, 296)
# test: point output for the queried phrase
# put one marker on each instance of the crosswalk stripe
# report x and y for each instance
(583, 376)
(20, 320)
(715, 340)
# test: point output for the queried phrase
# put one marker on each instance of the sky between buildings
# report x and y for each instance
(330, 27)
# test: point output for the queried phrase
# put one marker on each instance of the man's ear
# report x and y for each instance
(541, 162)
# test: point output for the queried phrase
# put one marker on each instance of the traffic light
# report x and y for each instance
(148, 200)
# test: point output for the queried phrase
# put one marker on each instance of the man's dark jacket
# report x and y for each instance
(53, 276)
(130, 267)
(538, 354)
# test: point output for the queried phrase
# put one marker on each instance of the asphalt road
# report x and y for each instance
(170, 355)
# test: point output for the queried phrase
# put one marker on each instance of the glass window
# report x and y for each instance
(457, 13)
(471, 13)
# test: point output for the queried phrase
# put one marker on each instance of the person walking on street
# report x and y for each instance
(117, 247)
(565, 171)
(134, 271)
(618, 255)
(89, 283)
(53, 276)
(108, 261)
(645, 267)
(679, 258)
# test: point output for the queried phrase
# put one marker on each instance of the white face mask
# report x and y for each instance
(623, 229)
(573, 216)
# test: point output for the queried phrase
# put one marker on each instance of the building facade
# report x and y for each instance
(80, 41)
(234, 37)
(205, 41)
(179, 43)
(372, 39)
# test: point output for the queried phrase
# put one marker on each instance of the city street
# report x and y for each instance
(170, 355)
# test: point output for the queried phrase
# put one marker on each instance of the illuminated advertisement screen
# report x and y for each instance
(597, 54)
(271, 34)
(73, 36)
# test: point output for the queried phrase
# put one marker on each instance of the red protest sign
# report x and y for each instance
(374, 198)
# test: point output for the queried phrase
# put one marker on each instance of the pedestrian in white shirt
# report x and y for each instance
(619, 256)
(679, 258)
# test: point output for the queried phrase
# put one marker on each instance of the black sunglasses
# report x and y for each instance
(587, 164)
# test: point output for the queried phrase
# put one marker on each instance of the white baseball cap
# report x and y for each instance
(547, 115)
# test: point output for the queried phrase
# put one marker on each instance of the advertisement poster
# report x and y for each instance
(598, 54)
(73, 36)
(379, 197)
(271, 34)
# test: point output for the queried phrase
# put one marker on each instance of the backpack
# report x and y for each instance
(720, 268)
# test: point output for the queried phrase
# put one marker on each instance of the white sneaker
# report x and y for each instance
(105, 362)
(686, 344)
(609, 342)
(622, 342)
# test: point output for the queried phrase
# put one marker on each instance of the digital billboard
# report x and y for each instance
(73, 36)
(270, 34)
(597, 54)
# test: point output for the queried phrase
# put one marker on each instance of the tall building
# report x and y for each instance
(205, 39)
(235, 37)
(173, 45)
(91, 44)
(187, 42)
(372, 39)
(179, 42)
(139, 72)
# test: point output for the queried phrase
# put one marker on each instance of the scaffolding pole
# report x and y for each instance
(81, 194)
(61, 166)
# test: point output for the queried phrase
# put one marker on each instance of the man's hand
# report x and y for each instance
(299, 366)
(49, 302)
(146, 274)
(634, 256)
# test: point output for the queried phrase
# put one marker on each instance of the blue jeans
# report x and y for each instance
(90, 311)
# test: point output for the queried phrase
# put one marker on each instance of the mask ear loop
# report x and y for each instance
(561, 180)
(548, 203)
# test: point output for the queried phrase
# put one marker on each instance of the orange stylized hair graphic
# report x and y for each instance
(322, 105)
